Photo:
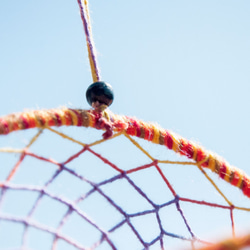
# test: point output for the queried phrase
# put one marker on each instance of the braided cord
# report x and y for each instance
(84, 10)
(132, 127)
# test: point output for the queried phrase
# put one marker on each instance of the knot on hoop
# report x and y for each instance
(102, 122)
(106, 120)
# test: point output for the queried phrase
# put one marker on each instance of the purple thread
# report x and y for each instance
(182, 215)
(88, 38)
(72, 206)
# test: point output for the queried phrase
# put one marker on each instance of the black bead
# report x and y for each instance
(100, 93)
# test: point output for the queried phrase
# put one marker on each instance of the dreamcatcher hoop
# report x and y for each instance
(100, 119)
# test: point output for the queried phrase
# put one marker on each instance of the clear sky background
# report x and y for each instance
(182, 64)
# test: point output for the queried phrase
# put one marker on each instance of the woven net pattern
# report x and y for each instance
(77, 187)
(70, 188)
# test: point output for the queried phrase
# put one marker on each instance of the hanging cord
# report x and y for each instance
(84, 10)
(99, 94)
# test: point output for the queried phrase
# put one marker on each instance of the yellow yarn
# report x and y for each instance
(211, 163)
(61, 114)
(240, 179)
(74, 117)
(156, 134)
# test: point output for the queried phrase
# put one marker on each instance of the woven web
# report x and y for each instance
(70, 189)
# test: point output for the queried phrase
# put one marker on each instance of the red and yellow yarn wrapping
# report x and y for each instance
(231, 244)
(131, 126)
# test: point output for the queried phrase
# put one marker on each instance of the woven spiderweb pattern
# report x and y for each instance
(70, 189)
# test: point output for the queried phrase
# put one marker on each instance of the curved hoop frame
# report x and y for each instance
(133, 127)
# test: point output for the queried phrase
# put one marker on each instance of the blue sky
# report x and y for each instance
(182, 64)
